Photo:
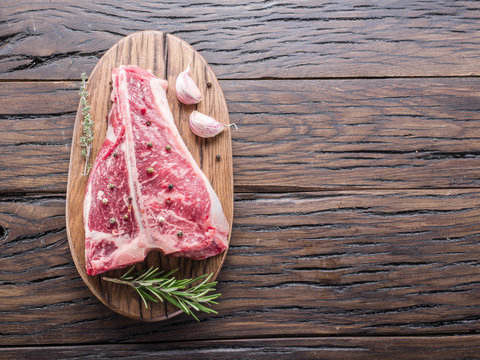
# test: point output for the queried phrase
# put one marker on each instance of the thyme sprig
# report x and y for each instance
(87, 126)
(156, 285)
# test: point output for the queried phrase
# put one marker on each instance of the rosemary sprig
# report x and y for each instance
(156, 285)
(87, 138)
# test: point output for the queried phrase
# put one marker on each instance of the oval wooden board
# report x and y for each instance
(166, 55)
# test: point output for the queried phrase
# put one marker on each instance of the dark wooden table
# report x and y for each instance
(357, 179)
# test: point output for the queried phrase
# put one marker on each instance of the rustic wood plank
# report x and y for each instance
(250, 39)
(301, 264)
(293, 135)
(352, 348)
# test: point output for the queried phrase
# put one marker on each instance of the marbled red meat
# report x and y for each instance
(145, 191)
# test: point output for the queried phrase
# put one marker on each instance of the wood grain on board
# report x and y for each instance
(384, 262)
(167, 56)
(325, 348)
(292, 135)
(250, 38)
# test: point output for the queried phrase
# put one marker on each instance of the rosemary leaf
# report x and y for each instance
(154, 285)
(142, 297)
(124, 276)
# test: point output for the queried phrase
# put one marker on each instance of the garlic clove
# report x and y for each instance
(187, 91)
(205, 126)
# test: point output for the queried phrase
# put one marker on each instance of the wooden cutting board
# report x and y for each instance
(166, 55)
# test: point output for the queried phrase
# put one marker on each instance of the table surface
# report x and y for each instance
(356, 175)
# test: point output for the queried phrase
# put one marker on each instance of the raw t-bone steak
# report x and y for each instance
(145, 191)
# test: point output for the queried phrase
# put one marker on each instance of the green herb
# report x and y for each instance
(87, 124)
(149, 144)
(125, 217)
(111, 186)
(155, 285)
(170, 186)
(180, 233)
(168, 147)
(150, 170)
(113, 221)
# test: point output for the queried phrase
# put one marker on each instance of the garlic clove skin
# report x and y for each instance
(205, 126)
(187, 91)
